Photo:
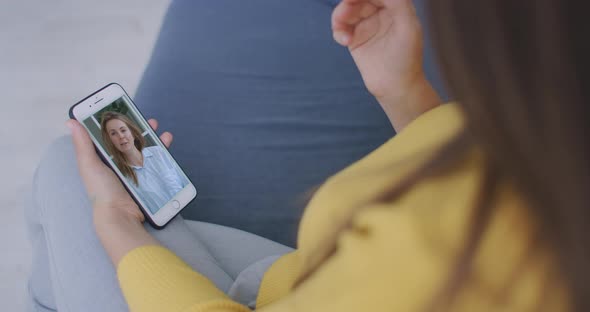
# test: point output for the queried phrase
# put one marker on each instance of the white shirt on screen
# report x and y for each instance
(159, 178)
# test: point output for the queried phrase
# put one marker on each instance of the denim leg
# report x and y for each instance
(71, 271)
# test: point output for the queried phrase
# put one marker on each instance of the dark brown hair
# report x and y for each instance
(517, 69)
(119, 158)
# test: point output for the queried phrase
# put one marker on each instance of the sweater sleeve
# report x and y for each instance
(152, 278)
(379, 266)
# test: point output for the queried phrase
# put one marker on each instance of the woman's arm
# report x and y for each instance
(385, 39)
(402, 110)
(151, 277)
(117, 219)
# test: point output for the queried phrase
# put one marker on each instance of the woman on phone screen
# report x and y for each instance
(149, 170)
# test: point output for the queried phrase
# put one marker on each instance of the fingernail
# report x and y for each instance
(342, 38)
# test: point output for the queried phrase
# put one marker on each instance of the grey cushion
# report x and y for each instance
(263, 104)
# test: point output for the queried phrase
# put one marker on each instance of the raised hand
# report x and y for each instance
(385, 40)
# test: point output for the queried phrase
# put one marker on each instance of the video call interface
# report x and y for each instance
(142, 161)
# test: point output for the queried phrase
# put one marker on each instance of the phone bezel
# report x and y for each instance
(100, 99)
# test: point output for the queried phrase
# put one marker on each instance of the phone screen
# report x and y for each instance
(139, 157)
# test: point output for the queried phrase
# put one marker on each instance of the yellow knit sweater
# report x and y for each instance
(395, 257)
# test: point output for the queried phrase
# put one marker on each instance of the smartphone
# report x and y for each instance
(129, 146)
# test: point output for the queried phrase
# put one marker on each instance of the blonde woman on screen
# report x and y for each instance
(148, 170)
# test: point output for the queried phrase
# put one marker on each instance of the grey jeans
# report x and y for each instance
(71, 271)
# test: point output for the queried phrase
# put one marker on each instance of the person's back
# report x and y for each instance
(394, 254)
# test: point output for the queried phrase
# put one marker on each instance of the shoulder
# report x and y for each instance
(153, 150)
(367, 178)
(416, 237)
(409, 148)
(160, 156)
(425, 230)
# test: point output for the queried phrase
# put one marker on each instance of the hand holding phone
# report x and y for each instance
(109, 197)
(142, 172)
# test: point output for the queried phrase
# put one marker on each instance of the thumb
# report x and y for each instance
(85, 152)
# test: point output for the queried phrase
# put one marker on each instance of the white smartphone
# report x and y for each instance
(129, 146)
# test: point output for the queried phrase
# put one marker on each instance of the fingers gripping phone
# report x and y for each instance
(129, 146)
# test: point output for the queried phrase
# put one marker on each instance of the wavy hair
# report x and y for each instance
(119, 158)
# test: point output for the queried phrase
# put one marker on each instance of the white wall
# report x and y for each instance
(52, 54)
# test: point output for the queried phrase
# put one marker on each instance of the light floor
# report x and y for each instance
(53, 53)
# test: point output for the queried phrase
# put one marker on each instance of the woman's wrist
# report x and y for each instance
(120, 233)
(419, 98)
(104, 221)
